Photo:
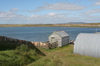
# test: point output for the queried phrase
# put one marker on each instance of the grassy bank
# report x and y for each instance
(26, 56)
(51, 25)
(64, 57)
(20, 56)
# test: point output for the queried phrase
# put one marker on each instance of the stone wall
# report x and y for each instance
(11, 43)
(7, 43)
(46, 45)
(41, 44)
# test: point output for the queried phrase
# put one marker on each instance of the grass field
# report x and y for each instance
(64, 57)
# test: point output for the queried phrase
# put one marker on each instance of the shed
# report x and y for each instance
(87, 44)
(59, 37)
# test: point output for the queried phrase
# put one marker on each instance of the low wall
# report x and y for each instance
(46, 45)
(7, 43)
(11, 43)
(41, 44)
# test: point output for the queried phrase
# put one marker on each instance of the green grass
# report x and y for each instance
(64, 57)
(21, 56)
(26, 56)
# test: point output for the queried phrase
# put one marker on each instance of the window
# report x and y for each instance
(52, 37)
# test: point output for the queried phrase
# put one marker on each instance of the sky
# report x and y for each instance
(49, 11)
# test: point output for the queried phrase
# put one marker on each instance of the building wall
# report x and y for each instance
(57, 39)
(87, 44)
(65, 40)
(60, 40)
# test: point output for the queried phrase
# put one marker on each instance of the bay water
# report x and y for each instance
(42, 33)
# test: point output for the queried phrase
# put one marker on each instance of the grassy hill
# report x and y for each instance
(64, 57)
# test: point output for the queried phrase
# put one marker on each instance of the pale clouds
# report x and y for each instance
(49, 15)
(52, 14)
(60, 6)
(49, 18)
(10, 13)
(10, 17)
(64, 18)
(7, 14)
(14, 10)
(92, 11)
(97, 3)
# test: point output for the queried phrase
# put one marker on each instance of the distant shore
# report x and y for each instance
(52, 25)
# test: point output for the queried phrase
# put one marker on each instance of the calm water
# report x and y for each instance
(42, 33)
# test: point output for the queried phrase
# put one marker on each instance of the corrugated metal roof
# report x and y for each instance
(61, 33)
(88, 44)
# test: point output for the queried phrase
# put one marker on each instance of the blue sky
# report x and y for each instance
(49, 11)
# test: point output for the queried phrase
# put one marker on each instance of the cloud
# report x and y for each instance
(59, 6)
(9, 14)
(14, 10)
(52, 14)
(50, 18)
(49, 15)
(97, 3)
(63, 18)
(10, 17)
(93, 11)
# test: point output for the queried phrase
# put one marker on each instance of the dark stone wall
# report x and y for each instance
(7, 43)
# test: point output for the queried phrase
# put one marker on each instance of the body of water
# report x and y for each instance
(42, 33)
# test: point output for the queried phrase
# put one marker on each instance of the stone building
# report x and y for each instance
(61, 38)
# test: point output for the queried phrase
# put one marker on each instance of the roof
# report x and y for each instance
(88, 37)
(88, 44)
(61, 33)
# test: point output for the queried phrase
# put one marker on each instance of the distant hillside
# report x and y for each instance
(52, 25)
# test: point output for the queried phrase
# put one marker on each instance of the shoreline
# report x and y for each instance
(88, 25)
